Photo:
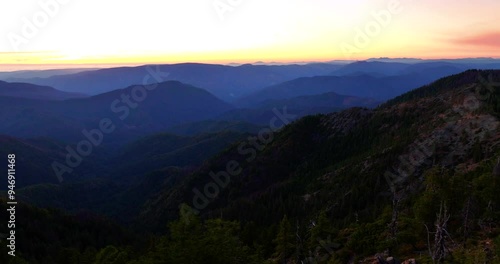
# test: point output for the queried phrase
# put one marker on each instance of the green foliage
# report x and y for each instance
(48, 236)
(111, 255)
(362, 240)
(194, 241)
(284, 241)
(469, 256)
(322, 229)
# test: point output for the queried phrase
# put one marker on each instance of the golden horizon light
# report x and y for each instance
(72, 33)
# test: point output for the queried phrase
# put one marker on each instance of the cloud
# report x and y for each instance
(490, 39)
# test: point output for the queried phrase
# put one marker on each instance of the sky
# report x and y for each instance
(46, 33)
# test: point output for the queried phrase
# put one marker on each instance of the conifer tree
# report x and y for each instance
(284, 241)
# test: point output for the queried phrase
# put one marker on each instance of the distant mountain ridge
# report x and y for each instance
(225, 82)
(163, 105)
(31, 91)
(232, 83)
(363, 86)
(25, 74)
(439, 68)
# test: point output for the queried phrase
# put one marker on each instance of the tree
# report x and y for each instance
(194, 242)
(221, 243)
(321, 233)
(321, 229)
(111, 255)
(441, 236)
(284, 241)
(185, 234)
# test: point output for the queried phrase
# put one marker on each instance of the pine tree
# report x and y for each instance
(322, 230)
(284, 241)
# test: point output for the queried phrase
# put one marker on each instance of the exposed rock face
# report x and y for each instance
(449, 136)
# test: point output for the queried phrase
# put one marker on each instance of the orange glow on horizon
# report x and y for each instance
(280, 31)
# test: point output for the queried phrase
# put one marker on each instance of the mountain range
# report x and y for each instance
(225, 82)
(231, 83)
(373, 163)
(34, 111)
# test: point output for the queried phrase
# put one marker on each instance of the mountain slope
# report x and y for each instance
(213, 126)
(165, 150)
(430, 149)
(327, 100)
(157, 107)
(33, 159)
(129, 175)
(415, 175)
(260, 113)
(78, 237)
(31, 91)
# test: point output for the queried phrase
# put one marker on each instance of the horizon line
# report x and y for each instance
(62, 66)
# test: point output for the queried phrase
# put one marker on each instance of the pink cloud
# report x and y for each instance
(491, 39)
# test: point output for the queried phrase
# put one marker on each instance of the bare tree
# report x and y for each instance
(441, 236)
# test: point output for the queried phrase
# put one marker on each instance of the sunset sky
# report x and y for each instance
(224, 31)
